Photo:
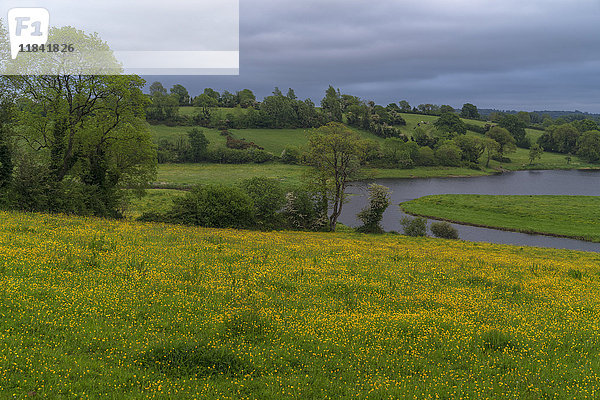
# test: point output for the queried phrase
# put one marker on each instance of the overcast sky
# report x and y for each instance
(507, 54)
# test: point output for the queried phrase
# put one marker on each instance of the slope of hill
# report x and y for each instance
(104, 309)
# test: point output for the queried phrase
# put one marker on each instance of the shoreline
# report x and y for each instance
(526, 231)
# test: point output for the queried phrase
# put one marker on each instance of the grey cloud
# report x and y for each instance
(512, 54)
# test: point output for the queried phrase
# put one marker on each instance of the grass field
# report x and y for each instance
(180, 175)
(105, 309)
(275, 140)
(570, 216)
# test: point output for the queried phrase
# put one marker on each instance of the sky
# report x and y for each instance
(505, 54)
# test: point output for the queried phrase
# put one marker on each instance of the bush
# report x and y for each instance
(291, 155)
(215, 206)
(258, 156)
(268, 197)
(425, 156)
(301, 211)
(371, 216)
(414, 226)
(448, 155)
(443, 230)
(223, 155)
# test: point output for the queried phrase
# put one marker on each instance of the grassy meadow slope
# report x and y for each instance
(105, 309)
(275, 140)
(571, 216)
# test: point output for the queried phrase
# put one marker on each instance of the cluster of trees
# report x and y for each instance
(335, 152)
(580, 137)
(194, 148)
(73, 143)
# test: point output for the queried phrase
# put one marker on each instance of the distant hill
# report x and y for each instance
(554, 114)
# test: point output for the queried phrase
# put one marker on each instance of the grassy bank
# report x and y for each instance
(101, 309)
(570, 216)
(183, 175)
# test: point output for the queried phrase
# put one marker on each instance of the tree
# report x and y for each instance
(405, 106)
(214, 206)
(162, 106)
(450, 123)
(181, 94)
(471, 147)
(198, 145)
(268, 197)
(332, 104)
(157, 88)
(469, 111)
(87, 129)
(565, 138)
(246, 98)
(6, 161)
(334, 151)
(448, 154)
(205, 101)
(506, 142)
(212, 93)
(516, 127)
(491, 147)
(371, 216)
(228, 100)
(525, 117)
(588, 146)
(535, 152)
(446, 109)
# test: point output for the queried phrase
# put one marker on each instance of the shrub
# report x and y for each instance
(301, 211)
(414, 226)
(215, 206)
(371, 216)
(223, 155)
(425, 156)
(291, 155)
(443, 230)
(268, 197)
(448, 155)
(259, 156)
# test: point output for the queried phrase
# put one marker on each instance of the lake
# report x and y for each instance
(572, 182)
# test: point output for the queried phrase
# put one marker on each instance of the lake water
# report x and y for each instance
(584, 183)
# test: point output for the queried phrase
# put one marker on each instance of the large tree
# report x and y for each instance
(450, 124)
(516, 127)
(335, 152)
(469, 111)
(181, 94)
(87, 129)
(506, 142)
(332, 104)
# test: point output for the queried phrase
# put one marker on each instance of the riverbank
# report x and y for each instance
(575, 217)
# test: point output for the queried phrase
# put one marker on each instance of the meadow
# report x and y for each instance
(570, 216)
(94, 308)
(275, 140)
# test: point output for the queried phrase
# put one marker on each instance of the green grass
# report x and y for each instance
(273, 140)
(103, 309)
(182, 175)
(156, 200)
(194, 174)
(570, 216)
